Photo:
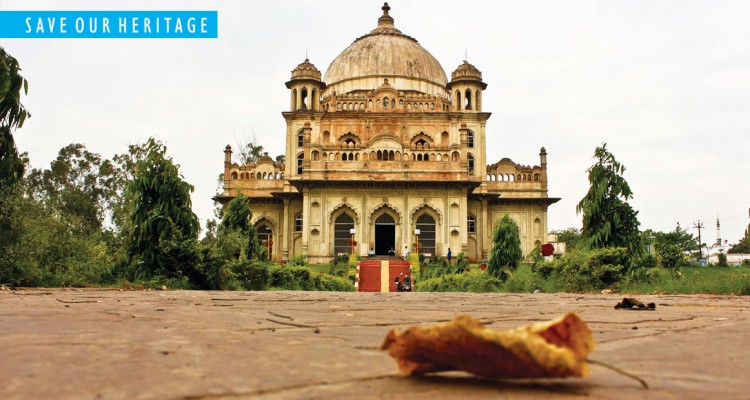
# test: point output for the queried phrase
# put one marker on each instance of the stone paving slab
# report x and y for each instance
(91, 344)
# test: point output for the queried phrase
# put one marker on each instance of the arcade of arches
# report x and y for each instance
(384, 152)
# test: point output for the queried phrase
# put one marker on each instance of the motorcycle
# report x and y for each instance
(406, 287)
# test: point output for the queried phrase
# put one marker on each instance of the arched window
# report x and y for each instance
(458, 100)
(468, 99)
(294, 99)
(471, 164)
(314, 100)
(391, 155)
(234, 175)
(369, 104)
(380, 155)
(300, 137)
(344, 157)
(470, 138)
(265, 238)
(303, 99)
(426, 226)
(300, 161)
(386, 103)
(298, 223)
(471, 224)
(341, 236)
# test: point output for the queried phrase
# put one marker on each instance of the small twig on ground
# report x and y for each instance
(620, 371)
(316, 329)
(281, 316)
(228, 299)
(79, 301)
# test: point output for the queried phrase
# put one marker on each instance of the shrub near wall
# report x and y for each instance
(288, 277)
(476, 281)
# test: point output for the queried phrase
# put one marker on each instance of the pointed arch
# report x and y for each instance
(384, 208)
(423, 208)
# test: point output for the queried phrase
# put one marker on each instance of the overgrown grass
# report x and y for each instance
(709, 280)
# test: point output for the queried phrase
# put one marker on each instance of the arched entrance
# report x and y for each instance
(426, 226)
(385, 234)
(265, 238)
(341, 234)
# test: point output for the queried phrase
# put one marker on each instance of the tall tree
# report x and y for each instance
(506, 247)
(162, 225)
(743, 246)
(12, 116)
(75, 185)
(608, 219)
(123, 172)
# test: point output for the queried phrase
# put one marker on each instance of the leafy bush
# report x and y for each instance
(299, 261)
(477, 281)
(290, 277)
(582, 271)
(462, 262)
(251, 274)
(722, 260)
(671, 257)
(340, 266)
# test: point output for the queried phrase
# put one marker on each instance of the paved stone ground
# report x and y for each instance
(90, 344)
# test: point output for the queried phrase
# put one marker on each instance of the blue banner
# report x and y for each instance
(109, 24)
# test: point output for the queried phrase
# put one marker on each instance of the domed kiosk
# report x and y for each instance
(385, 154)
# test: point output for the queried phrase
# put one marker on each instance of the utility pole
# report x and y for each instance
(699, 226)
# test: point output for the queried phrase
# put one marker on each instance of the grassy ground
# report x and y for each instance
(710, 280)
(715, 280)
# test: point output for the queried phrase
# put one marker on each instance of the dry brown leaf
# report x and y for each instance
(551, 349)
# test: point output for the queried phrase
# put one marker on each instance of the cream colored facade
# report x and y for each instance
(386, 145)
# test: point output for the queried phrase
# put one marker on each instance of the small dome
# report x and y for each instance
(466, 71)
(386, 52)
(306, 70)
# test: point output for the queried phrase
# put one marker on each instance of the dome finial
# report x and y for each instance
(385, 20)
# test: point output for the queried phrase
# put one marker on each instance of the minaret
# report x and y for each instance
(718, 231)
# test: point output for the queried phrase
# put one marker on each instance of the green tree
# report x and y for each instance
(162, 228)
(684, 240)
(123, 172)
(670, 257)
(75, 185)
(608, 219)
(12, 116)
(743, 246)
(236, 218)
(571, 237)
(506, 248)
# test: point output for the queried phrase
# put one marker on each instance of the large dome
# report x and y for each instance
(385, 52)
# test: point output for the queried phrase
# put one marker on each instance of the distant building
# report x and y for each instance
(384, 149)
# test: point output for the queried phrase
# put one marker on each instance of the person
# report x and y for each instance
(450, 255)
(407, 283)
(371, 252)
(391, 252)
(397, 283)
(406, 252)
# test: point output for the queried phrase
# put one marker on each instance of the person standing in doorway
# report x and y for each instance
(406, 252)
(450, 255)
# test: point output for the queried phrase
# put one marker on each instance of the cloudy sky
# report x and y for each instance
(666, 84)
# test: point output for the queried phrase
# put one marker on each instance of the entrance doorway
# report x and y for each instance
(385, 235)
